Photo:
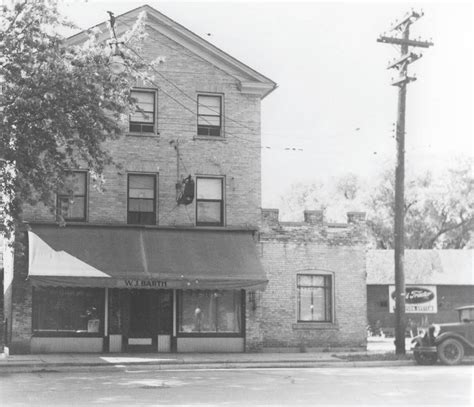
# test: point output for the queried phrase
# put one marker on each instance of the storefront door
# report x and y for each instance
(150, 320)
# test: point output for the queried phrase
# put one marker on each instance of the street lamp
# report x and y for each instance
(116, 60)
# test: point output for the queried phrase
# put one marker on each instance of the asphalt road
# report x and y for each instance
(412, 385)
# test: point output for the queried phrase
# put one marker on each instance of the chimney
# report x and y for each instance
(314, 217)
(270, 217)
(355, 217)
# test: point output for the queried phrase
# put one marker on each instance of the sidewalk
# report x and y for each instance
(172, 361)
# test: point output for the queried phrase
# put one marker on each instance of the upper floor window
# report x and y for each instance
(72, 197)
(143, 119)
(209, 202)
(314, 298)
(141, 199)
(209, 115)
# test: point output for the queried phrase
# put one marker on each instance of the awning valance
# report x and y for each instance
(123, 257)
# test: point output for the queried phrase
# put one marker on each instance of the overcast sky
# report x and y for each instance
(334, 100)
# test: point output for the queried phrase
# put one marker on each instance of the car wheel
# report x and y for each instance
(450, 352)
(424, 358)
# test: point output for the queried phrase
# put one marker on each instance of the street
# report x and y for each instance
(409, 385)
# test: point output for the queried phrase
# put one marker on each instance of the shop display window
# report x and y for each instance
(67, 310)
(210, 312)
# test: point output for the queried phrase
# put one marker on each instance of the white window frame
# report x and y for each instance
(155, 114)
(60, 196)
(222, 200)
(330, 296)
(221, 115)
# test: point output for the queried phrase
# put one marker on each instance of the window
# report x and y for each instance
(314, 298)
(68, 310)
(72, 197)
(141, 199)
(209, 202)
(209, 115)
(143, 119)
(205, 311)
(466, 315)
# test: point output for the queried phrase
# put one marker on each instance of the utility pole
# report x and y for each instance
(401, 64)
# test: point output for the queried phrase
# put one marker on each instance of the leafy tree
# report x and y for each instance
(336, 197)
(439, 210)
(58, 104)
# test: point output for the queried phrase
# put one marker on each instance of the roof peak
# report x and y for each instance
(251, 81)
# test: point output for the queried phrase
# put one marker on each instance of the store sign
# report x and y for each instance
(418, 299)
(144, 283)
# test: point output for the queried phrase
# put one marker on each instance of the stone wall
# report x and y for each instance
(313, 247)
(236, 156)
(21, 293)
(2, 314)
(253, 322)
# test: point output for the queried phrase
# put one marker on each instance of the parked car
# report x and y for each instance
(448, 342)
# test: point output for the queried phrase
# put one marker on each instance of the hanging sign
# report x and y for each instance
(421, 299)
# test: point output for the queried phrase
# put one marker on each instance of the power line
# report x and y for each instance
(162, 43)
(183, 92)
(189, 110)
(176, 86)
(166, 214)
(192, 98)
(401, 64)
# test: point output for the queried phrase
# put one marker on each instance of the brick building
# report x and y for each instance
(316, 294)
(437, 282)
(131, 269)
(2, 318)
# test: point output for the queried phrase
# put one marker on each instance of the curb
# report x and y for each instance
(87, 367)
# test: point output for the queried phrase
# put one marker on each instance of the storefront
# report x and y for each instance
(121, 289)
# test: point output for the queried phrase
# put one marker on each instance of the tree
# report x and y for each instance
(336, 197)
(58, 106)
(439, 210)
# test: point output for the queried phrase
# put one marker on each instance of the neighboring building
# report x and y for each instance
(437, 282)
(131, 270)
(316, 294)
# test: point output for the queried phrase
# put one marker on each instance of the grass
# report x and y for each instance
(374, 357)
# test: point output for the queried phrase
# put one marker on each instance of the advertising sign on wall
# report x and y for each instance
(418, 299)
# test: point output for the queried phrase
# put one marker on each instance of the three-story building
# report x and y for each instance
(165, 257)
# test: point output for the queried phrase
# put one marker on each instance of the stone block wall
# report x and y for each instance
(253, 326)
(236, 156)
(2, 295)
(313, 247)
(21, 294)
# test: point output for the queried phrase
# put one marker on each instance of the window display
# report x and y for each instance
(205, 311)
(68, 310)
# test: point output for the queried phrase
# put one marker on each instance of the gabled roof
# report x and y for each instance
(250, 80)
(435, 267)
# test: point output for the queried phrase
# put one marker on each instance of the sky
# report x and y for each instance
(334, 109)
